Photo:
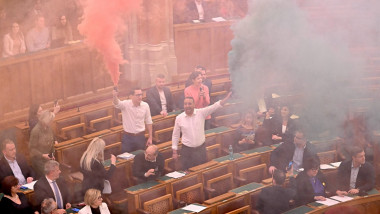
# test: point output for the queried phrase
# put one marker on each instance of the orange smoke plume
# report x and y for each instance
(103, 19)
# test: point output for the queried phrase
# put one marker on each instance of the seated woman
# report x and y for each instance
(281, 127)
(94, 203)
(246, 132)
(311, 183)
(14, 42)
(62, 33)
(95, 176)
(13, 201)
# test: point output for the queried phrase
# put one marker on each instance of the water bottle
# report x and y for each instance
(231, 152)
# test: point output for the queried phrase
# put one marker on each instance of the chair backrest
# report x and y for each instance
(227, 120)
(210, 140)
(228, 138)
(114, 149)
(72, 154)
(213, 152)
(99, 113)
(221, 184)
(152, 194)
(326, 145)
(112, 137)
(73, 131)
(163, 135)
(191, 194)
(101, 123)
(120, 179)
(254, 173)
(232, 205)
(184, 183)
(242, 210)
(160, 205)
(166, 122)
(246, 163)
(172, 165)
(327, 157)
(213, 173)
(67, 122)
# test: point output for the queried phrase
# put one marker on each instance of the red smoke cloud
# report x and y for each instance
(102, 20)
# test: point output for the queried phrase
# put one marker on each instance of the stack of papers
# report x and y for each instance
(126, 156)
(336, 164)
(218, 19)
(326, 166)
(175, 174)
(328, 202)
(30, 185)
(194, 208)
(341, 198)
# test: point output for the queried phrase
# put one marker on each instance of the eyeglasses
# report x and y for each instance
(99, 197)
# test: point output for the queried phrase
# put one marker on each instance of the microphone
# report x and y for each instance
(201, 89)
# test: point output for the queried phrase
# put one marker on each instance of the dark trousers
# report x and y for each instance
(131, 143)
(193, 156)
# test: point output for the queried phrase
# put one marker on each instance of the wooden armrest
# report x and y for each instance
(178, 203)
(68, 128)
(218, 93)
(92, 122)
(240, 179)
(117, 128)
(203, 166)
(209, 190)
(220, 198)
(96, 134)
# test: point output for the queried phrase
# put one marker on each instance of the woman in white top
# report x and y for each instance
(94, 203)
(14, 42)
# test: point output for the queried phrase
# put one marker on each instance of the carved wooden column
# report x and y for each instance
(150, 43)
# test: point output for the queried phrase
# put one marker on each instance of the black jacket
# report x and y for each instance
(5, 169)
(274, 200)
(154, 101)
(365, 180)
(95, 178)
(283, 154)
(43, 190)
(304, 188)
(274, 127)
(141, 166)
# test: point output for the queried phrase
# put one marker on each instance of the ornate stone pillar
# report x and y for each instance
(150, 43)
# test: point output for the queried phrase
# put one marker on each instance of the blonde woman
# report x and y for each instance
(246, 131)
(94, 203)
(91, 164)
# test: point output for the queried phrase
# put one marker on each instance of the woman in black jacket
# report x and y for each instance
(91, 164)
(310, 183)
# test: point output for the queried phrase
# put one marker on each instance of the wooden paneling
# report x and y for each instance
(204, 44)
(48, 75)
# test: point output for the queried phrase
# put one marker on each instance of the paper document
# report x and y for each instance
(175, 174)
(326, 166)
(218, 19)
(30, 185)
(341, 198)
(336, 164)
(126, 156)
(328, 202)
(196, 21)
(194, 208)
(275, 96)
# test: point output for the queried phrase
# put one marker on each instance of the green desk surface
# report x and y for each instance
(276, 145)
(315, 204)
(258, 150)
(249, 187)
(146, 185)
(182, 211)
(371, 192)
(300, 210)
(137, 152)
(107, 162)
(175, 112)
(227, 157)
(217, 130)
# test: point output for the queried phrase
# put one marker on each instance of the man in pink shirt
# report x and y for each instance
(200, 93)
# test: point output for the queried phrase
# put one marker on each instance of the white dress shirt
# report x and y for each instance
(192, 127)
(200, 10)
(163, 100)
(134, 117)
(16, 171)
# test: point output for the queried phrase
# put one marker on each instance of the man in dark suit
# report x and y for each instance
(297, 152)
(160, 98)
(14, 164)
(148, 165)
(199, 10)
(356, 175)
(50, 186)
(275, 199)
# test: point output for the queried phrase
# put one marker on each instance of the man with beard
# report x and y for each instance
(191, 124)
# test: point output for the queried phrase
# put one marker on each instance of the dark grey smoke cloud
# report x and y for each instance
(279, 43)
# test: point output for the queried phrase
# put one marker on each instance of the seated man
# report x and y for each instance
(297, 152)
(50, 186)
(14, 164)
(275, 199)
(148, 165)
(49, 206)
(38, 38)
(199, 10)
(159, 98)
(356, 175)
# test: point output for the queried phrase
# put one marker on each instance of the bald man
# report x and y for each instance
(148, 165)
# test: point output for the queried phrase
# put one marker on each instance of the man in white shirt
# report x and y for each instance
(135, 117)
(191, 124)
